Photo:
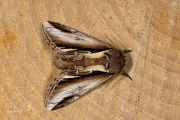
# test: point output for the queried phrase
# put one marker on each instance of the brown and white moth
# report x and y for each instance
(86, 63)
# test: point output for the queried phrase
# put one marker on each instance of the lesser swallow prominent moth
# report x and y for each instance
(86, 63)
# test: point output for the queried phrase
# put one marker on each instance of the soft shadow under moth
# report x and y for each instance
(86, 63)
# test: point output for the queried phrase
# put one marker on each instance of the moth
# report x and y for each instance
(85, 62)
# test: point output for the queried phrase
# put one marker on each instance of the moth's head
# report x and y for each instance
(116, 61)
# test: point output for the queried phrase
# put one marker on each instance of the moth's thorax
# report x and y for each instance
(110, 61)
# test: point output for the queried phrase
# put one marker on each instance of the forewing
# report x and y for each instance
(68, 88)
(61, 36)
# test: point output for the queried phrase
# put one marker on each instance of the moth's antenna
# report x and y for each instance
(125, 51)
(111, 41)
